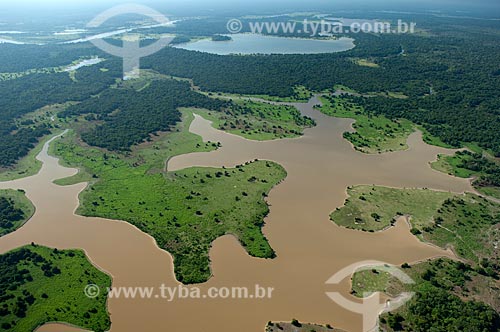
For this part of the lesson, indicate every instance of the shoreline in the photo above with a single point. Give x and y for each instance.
(268, 229)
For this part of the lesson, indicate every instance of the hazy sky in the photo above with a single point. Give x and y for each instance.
(183, 7)
(246, 3)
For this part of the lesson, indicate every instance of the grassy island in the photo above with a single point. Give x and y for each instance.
(185, 211)
(221, 38)
(467, 223)
(374, 133)
(483, 169)
(39, 285)
(15, 210)
(450, 295)
(260, 121)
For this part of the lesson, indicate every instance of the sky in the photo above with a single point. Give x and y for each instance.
(253, 3)
(200, 7)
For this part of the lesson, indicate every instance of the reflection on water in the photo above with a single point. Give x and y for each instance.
(309, 247)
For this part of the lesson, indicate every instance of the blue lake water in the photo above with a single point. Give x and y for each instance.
(260, 44)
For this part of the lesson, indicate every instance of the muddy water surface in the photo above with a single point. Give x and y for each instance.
(309, 247)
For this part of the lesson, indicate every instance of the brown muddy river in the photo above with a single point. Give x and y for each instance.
(309, 247)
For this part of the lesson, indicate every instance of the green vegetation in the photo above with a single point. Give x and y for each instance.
(46, 115)
(260, 121)
(42, 56)
(442, 83)
(296, 326)
(177, 142)
(485, 171)
(366, 282)
(49, 70)
(12, 76)
(490, 191)
(156, 152)
(366, 63)
(467, 223)
(367, 207)
(300, 95)
(129, 116)
(455, 165)
(450, 85)
(470, 225)
(27, 166)
(445, 81)
(344, 89)
(15, 210)
(387, 94)
(40, 285)
(185, 211)
(432, 140)
(221, 38)
(32, 92)
(374, 134)
(180, 40)
(449, 296)
(115, 118)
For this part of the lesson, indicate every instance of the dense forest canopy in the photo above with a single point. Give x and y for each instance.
(451, 79)
(449, 72)
(130, 116)
(445, 78)
(37, 283)
(28, 93)
(437, 305)
(9, 213)
(18, 58)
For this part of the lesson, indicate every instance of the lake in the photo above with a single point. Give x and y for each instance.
(260, 44)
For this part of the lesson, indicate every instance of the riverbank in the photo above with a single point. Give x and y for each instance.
(309, 247)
